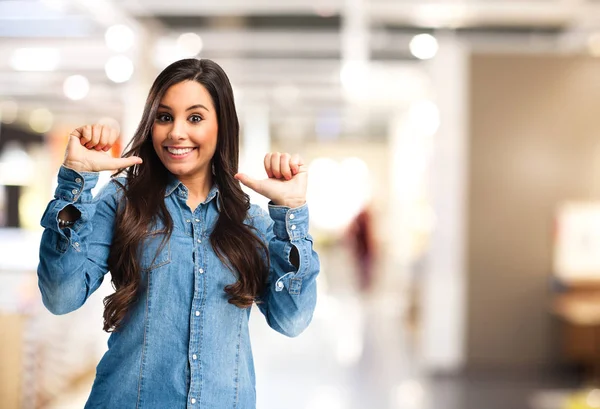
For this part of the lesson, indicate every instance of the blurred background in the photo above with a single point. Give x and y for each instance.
(454, 153)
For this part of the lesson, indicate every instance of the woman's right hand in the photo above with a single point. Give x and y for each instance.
(88, 150)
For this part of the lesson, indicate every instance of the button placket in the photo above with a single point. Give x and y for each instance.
(196, 328)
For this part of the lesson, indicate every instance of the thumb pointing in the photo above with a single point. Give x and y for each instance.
(122, 163)
(247, 181)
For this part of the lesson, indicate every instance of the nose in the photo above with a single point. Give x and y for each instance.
(177, 130)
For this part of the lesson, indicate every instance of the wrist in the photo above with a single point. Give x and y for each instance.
(291, 203)
(76, 166)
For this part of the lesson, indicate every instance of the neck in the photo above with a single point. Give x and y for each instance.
(198, 187)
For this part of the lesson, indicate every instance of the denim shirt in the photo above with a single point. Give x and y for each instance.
(183, 345)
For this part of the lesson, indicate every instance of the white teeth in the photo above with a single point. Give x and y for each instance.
(176, 151)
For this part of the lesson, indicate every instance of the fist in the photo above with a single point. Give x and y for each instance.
(286, 182)
(88, 150)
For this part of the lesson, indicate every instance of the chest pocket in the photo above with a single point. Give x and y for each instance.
(155, 253)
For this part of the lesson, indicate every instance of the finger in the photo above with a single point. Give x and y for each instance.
(113, 136)
(77, 133)
(284, 166)
(275, 165)
(104, 139)
(268, 165)
(248, 181)
(295, 163)
(122, 163)
(96, 133)
(85, 134)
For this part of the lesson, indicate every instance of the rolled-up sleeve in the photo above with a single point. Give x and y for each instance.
(291, 295)
(73, 261)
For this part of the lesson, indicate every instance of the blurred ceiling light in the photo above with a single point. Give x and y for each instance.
(8, 111)
(13, 158)
(593, 44)
(119, 68)
(424, 46)
(76, 87)
(189, 44)
(424, 117)
(35, 59)
(119, 38)
(41, 120)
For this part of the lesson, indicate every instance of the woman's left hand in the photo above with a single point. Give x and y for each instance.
(286, 182)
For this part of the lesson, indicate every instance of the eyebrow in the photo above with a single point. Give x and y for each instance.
(188, 109)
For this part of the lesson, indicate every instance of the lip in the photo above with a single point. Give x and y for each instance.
(178, 157)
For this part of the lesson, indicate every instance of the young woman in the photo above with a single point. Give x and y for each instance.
(187, 252)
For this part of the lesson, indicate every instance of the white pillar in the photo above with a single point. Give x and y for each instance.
(444, 295)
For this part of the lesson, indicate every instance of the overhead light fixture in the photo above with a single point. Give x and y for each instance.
(41, 120)
(424, 46)
(35, 59)
(76, 87)
(119, 38)
(13, 157)
(189, 44)
(119, 68)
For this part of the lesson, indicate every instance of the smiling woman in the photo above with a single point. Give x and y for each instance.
(188, 253)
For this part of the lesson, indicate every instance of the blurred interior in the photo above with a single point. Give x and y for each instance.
(454, 153)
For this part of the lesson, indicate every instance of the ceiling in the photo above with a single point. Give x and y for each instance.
(282, 55)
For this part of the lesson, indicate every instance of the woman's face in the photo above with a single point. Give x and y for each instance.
(184, 134)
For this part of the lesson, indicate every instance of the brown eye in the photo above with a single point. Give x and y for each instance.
(163, 118)
(195, 118)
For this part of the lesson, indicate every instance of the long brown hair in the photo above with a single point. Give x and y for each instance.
(234, 242)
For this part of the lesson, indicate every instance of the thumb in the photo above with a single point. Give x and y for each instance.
(122, 163)
(248, 181)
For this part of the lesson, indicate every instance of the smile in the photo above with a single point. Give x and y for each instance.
(179, 151)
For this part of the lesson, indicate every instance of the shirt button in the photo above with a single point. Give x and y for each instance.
(193, 401)
(294, 227)
(76, 244)
(197, 313)
(201, 271)
(187, 220)
(197, 220)
(78, 180)
(199, 241)
(194, 357)
(292, 216)
(74, 191)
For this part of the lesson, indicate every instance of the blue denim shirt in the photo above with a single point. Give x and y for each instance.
(184, 345)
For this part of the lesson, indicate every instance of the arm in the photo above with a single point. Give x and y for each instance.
(291, 295)
(73, 260)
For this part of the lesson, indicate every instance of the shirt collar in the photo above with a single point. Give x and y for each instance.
(174, 185)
